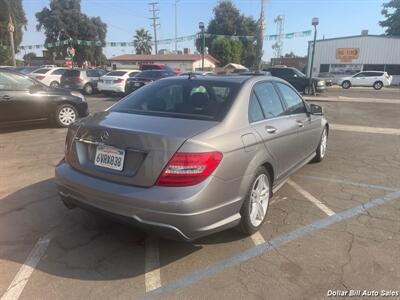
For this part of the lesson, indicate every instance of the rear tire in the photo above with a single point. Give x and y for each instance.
(65, 115)
(346, 84)
(378, 85)
(88, 89)
(322, 146)
(255, 206)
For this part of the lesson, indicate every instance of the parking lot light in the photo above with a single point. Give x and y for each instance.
(314, 22)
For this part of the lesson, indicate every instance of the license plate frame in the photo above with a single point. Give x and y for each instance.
(109, 157)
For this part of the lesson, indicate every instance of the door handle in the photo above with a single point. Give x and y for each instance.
(270, 129)
(300, 123)
(6, 98)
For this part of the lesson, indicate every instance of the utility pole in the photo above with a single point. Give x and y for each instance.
(176, 25)
(260, 37)
(11, 29)
(155, 24)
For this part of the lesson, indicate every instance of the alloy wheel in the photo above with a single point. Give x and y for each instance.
(259, 200)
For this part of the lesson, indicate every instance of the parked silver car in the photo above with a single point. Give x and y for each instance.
(190, 156)
(81, 80)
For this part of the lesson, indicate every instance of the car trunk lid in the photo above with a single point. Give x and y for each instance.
(148, 143)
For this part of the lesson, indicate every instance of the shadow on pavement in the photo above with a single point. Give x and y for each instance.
(84, 246)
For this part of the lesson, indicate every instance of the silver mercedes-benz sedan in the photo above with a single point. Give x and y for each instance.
(192, 155)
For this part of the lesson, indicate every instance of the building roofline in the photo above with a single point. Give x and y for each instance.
(358, 36)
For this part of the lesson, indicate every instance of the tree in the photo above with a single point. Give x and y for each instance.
(226, 50)
(391, 11)
(28, 57)
(290, 55)
(227, 20)
(15, 9)
(142, 42)
(63, 20)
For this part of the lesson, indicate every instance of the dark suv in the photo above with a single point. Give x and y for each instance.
(82, 80)
(297, 79)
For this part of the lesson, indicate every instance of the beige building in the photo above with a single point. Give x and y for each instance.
(180, 62)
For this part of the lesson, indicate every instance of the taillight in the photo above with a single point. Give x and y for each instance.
(119, 80)
(77, 79)
(40, 77)
(185, 169)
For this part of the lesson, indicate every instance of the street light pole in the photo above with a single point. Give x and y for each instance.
(314, 22)
(11, 31)
(203, 44)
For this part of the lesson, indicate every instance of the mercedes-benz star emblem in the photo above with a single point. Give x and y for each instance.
(104, 136)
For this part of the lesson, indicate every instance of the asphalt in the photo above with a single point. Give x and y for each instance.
(302, 253)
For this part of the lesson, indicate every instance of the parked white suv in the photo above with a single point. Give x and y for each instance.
(48, 76)
(376, 79)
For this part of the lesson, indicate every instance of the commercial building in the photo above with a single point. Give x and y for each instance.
(345, 56)
(181, 62)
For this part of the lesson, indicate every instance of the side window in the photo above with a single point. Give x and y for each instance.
(91, 73)
(269, 99)
(294, 102)
(10, 81)
(255, 112)
(360, 75)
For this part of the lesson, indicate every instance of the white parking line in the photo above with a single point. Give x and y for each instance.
(152, 264)
(21, 279)
(257, 238)
(311, 198)
(365, 129)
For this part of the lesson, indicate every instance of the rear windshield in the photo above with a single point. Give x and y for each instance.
(150, 74)
(116, 73)
(41, 71)
(72, 73)
(188, 99)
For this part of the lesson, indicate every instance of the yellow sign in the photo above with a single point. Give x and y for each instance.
(347, 53)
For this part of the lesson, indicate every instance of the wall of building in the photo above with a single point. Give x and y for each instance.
(183, 66)
(375, 53)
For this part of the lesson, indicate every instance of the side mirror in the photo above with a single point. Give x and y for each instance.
(316, 109)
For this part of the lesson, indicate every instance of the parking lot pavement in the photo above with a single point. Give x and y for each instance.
(334, 226)
(391, 93)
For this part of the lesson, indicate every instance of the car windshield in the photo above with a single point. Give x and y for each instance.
(116, 73)
(299, 73)
(189, 99)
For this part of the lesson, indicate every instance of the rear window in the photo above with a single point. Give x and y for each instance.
(116, 73)
(41, 71)
(188, 99)
(72, 73)
(149, 74)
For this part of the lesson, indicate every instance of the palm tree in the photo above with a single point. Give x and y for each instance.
(142, 41)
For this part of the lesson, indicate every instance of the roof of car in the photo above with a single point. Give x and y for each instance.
(237, 78)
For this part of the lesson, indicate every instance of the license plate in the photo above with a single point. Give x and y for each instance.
(66, 86)
(109, 157)
(136, 84)
(108, 81)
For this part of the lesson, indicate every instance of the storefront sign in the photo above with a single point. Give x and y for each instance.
(347, 54)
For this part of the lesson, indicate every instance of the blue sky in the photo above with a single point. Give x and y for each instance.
(337, 18)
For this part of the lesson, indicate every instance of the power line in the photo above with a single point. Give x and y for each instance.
(154, 10)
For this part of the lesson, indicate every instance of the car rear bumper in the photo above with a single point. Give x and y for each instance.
(117, 88)
(72, 86)
(186, 213)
